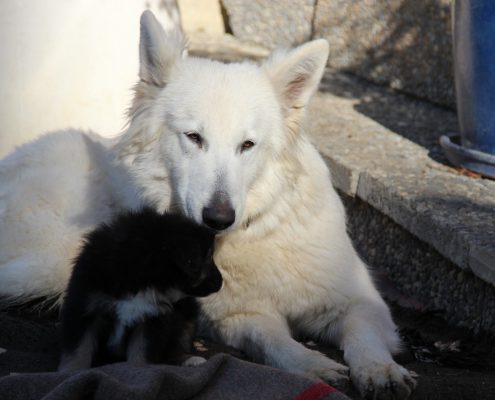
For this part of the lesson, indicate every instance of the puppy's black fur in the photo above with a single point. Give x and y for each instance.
(131, 293)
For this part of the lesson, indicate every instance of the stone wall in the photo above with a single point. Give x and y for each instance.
(418, 271)
(271, 23)
(405, 44)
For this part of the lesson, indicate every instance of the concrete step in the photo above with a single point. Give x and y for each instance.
(434, 226)
(383, 147)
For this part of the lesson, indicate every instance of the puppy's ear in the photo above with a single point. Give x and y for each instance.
(159, 51)
(295, 75)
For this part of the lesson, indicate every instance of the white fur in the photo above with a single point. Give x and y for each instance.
(193, 361)
(143, 304)
(288, 264)
(136, 308)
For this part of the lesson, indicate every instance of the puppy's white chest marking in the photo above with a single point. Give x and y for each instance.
(136, 308)
(142, 305)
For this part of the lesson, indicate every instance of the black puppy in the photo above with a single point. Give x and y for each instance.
(131, 293)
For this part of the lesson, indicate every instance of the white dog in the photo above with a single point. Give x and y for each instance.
(222, 143)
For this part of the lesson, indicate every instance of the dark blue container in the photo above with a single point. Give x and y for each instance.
(474, 66)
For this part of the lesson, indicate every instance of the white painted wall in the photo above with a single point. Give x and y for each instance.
(67, 63)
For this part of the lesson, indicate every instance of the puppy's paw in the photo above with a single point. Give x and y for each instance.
(329, 371)
(193, 361)
(384, 381)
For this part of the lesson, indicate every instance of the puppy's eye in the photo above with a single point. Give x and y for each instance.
(246, 145)
(195, 137)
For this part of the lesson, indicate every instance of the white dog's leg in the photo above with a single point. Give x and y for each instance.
(368, 340)
(267, 339)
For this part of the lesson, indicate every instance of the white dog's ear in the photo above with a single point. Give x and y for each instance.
(159, 51)
(296, 74)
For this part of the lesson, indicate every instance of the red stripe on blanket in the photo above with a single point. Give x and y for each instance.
(316, 392)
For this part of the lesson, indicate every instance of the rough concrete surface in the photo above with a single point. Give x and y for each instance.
(226, 48)
(417, 271)
(271, 23)
(383, 147)
(406, 44)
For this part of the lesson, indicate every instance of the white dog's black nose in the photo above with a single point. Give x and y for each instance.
(219, 214)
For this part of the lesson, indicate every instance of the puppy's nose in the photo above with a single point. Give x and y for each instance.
(219, 214)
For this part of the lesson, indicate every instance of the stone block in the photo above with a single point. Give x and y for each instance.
(418, 271)
(405, 44)
(388, 144)
(271, 23)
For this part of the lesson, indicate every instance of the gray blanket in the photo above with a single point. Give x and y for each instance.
(29, 347)
(222, 377)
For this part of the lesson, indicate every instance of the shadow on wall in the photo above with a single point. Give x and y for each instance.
(405, 44)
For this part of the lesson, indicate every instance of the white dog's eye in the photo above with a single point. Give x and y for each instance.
(195, 137)
(246, 145)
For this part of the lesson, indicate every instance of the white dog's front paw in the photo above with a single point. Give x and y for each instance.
(193, 361)
(327, 370)
(384, 381)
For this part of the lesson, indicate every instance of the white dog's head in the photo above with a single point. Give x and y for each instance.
(214, 126)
